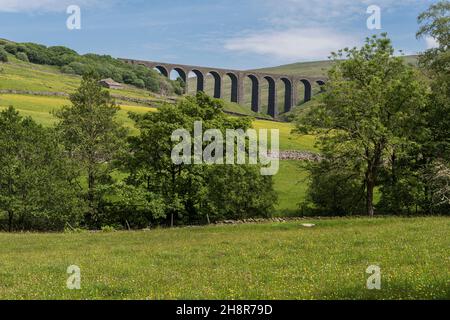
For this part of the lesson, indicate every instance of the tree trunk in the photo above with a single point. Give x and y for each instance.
(371, 175)
(91, 185)
(10, 220)
(370, 188)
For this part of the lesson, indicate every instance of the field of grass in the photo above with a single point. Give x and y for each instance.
(267, 261)
(291, 184)
(40, 108)
(19, 75)
(288, 140)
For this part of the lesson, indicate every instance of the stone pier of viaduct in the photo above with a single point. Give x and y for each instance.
(291, 83)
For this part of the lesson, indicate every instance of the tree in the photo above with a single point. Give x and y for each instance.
(435, 23)
(334, 189)
(91, 134)
(130, 206)
(22, 56)
(38, 188)
(367, 111)
(194, 193)
(3, 55)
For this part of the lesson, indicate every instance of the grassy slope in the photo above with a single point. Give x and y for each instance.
(291, 184)
(269, 261)
(40, 108)
(19, 75)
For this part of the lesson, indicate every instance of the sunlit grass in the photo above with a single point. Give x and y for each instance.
(288, 139)
(270, 261)
(40, 108)
(291, 184)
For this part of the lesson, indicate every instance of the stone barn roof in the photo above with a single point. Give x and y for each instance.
(110, 83)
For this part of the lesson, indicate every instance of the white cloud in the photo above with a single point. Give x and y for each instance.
(310, 29)
(431, 42)
(292, 44)
(44, 5)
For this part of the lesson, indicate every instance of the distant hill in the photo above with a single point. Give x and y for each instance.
(316, 68)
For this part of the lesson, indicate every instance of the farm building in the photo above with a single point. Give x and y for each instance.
(110, 83)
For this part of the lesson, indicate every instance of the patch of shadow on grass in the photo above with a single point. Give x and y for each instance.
(111, 292)
(391, 291)
(6, 280)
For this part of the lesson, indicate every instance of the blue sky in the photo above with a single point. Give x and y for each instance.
(240, 34)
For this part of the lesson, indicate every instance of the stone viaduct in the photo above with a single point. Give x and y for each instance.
(291, 83)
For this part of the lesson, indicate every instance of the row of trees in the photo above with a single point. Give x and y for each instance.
(105, 66)
(87, 171)
(384, 128)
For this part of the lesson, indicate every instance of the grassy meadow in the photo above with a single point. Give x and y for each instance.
(265, 261)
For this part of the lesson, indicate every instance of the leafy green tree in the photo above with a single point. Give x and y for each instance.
(368, 110)
(194, 193)
(91, 134)
(435, 23)
(335, 188)
(11, 48)
(22, 56)
(3, 55)
(237, 192)
(130, 206)
(38, 189)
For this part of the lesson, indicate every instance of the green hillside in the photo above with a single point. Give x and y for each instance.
(25, 76)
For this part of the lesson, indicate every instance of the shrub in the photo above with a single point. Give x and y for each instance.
(105, 66)
(138, 83)
(333, 191)
(22, 56)
(11, 48)
(68, 70)
(108, 229)
(3, 55)
(37, 53)
(78, 68)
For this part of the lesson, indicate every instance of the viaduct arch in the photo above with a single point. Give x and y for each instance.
(291, 84)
